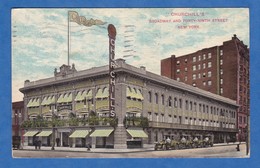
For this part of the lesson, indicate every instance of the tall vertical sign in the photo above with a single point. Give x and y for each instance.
(112, 65)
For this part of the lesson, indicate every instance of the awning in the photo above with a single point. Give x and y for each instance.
(30, 133)
(82, 95)
(137, 133)
(61, 98)
(68, 98)
(102, 133)
(32, 103)
(134, 93)
(79, 134)
(102, 93)
(44, 101)
(44, 133)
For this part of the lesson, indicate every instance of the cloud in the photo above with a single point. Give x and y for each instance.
(40, 38)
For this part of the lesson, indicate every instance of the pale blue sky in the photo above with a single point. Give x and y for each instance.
(40, 38)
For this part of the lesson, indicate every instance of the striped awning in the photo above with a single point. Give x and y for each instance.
(102, 132)
(45, 133)
(79, 134)
(82, 95)
(33, 103)
(137, 133)
(30, 133)
(102, 93)
(134, 93)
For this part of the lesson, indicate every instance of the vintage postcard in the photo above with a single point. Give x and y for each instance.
(130, 82)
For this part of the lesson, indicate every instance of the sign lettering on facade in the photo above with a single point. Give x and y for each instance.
(112, 65)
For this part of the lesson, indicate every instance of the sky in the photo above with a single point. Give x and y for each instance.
(144, 37)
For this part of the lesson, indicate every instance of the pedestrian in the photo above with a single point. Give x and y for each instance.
(35, 144)
(39, 144)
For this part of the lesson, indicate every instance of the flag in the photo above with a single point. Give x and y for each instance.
(81, 20)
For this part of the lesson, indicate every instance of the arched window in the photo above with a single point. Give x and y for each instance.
(150, 97)
(175, 102)
(170, 101)
(162, 99)
(156, 98)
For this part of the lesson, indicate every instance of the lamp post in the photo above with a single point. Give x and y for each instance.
(53, 126)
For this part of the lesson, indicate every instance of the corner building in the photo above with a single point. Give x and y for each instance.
(222, 70)
(71, 109)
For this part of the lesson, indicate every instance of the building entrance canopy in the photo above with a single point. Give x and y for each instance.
(30, 133)
(136, 133)
(102, 132)
(79, 134)
(45, 133)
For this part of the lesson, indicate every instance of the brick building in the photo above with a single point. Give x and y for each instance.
(223, 70)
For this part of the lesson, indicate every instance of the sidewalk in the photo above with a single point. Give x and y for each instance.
(106, 150)
(92, 150)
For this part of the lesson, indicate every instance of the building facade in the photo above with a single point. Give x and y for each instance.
(72, 109)
(17, 120)
(222, 70)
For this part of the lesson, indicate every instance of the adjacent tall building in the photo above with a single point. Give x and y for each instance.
(223, 70)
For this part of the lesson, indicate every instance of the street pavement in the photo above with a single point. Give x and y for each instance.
(217, 151)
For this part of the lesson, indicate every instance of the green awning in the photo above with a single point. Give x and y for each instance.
(30, 133)
(102, 93)
(61, 98)
(44, 101)
(79, 134)
(133, 93)
(68, 98)
(102, 133)
(45, 133)
(137, 133)
(30, 103)
(80, 96)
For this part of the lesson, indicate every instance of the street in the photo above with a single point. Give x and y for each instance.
(225, 151)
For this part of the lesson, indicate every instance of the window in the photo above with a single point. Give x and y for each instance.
(178, 79)
(185, 78)
(156, 98)
(195, 106)
(150, 118)
(186, 105)
(194, 76)
(186, 60)
(162, 116)
(199, 76)
(162, 99)
(194, 59)
(199, 107)
(209, 55)
(170, 101)
(185, 69)
(209, 74)
(221, 81)
(199, 67)
(221, 71)
(221, 52)
(240, 119)
(178, 70)
(150, 97)
(194, 67)
(178, 62)
(209, 82)
(157, 117)
(180, 103)
(170, 119)
(209, 64)
(204, 65)
(191, 106)
(221, 90)
(204, 74)
(199, 58)
(175, 102)
(221, 62)
(204, 56)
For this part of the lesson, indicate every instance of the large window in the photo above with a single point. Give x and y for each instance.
(209, 64)
(194, 67)
(156, 98)
(150, 97)
(162, 99)
(194, 76)
(170, 101)
(209, 74)
(194, 59)
(209, 55)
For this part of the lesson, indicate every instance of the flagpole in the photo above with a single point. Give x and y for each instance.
(68, 38)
